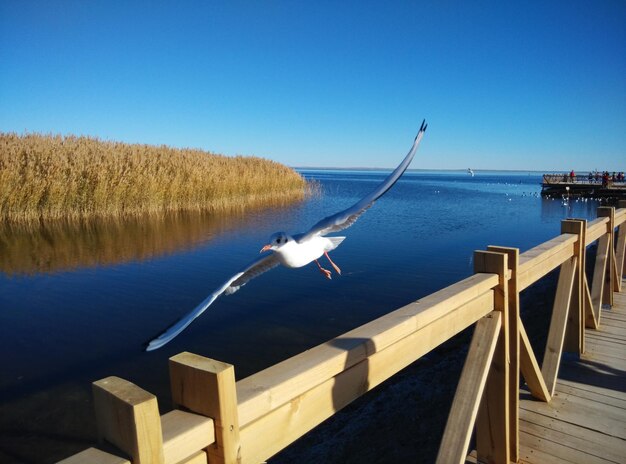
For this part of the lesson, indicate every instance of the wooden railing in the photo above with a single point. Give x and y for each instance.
(581, 179)
(219, 420)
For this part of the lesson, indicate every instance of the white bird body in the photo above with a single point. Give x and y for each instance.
(295, 251)
(293, 254)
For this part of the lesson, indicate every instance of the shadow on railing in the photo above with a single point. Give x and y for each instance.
(222, 421)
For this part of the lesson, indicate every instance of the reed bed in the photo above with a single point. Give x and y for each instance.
(53, 176)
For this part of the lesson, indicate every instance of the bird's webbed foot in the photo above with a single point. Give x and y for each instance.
(325, 272)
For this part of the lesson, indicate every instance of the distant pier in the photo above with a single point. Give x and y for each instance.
(583, 186)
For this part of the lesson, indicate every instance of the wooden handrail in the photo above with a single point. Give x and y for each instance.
(252, 419)
(540, 260)
(281, 383)
(596, 229)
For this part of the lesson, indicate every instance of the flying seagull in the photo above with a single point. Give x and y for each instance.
(295, 250)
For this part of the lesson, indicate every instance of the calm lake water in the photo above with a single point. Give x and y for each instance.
(78, 303)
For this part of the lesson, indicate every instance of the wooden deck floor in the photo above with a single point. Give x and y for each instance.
(586, 420)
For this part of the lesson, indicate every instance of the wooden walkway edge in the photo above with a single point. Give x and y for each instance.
(586, 420)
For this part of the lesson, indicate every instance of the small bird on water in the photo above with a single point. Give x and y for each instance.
(295, 250)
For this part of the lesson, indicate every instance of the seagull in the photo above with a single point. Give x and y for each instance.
(296, 250)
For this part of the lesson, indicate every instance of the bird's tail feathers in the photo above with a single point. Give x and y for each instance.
(336, 241)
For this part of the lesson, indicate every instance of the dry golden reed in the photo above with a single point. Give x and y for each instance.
(52, 176)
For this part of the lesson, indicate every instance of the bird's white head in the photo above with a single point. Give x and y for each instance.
(277, 240)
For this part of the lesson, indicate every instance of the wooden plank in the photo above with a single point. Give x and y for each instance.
(207, 386)
(128, 417)
(184, 434)
(281, 383)
(599, 270)
(580, 433)
(622, 205)
(610, 321)
(610, 317)
(574, 430)
(94, 456)
(583, 415)
(616, 282)
(590, 393)
(558, 324)
(609, 392)
(620, 216)
(606, 349)
(611, 328)
(590, 316)
(531, 456)
(599, 343)
(533, 438)
(514, 346)
(538, 261)
(290, 421)
(607, 294)
(606, 411)
(471, 458)
(620, 253)
(596, 229)
(493, 433)
(613, 323)
(605, 336)
(609, 362)
(460, 425)
(530, 368)
(198, 458)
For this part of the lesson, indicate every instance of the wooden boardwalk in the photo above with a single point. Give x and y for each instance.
(586, 420)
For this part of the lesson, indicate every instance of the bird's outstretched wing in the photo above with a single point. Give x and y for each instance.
(347, 217)
(255, 268)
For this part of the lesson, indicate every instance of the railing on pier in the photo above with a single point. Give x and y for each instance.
(589, 179)
(222, 421)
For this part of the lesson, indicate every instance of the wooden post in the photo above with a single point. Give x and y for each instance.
(456, 437)
(206, 386)
(607, 294)
(514, 347)
(575, 329)
(128, 417)
(493, 422)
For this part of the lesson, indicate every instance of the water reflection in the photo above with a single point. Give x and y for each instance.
(49, 247)
(555, 207)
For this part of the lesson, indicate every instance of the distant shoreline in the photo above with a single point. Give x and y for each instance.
(520, 171)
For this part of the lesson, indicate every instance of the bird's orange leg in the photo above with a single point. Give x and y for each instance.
(325, 272)
(331, 262)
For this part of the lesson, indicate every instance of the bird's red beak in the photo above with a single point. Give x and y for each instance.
(265, 248)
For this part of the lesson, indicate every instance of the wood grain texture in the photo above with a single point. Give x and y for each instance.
(460, 425)
(128, 417)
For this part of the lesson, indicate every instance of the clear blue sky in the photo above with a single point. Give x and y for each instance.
(503, 85)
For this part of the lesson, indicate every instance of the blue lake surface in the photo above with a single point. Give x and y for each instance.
(78, 304)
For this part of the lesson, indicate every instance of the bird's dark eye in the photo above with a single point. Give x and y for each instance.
(277, 240)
